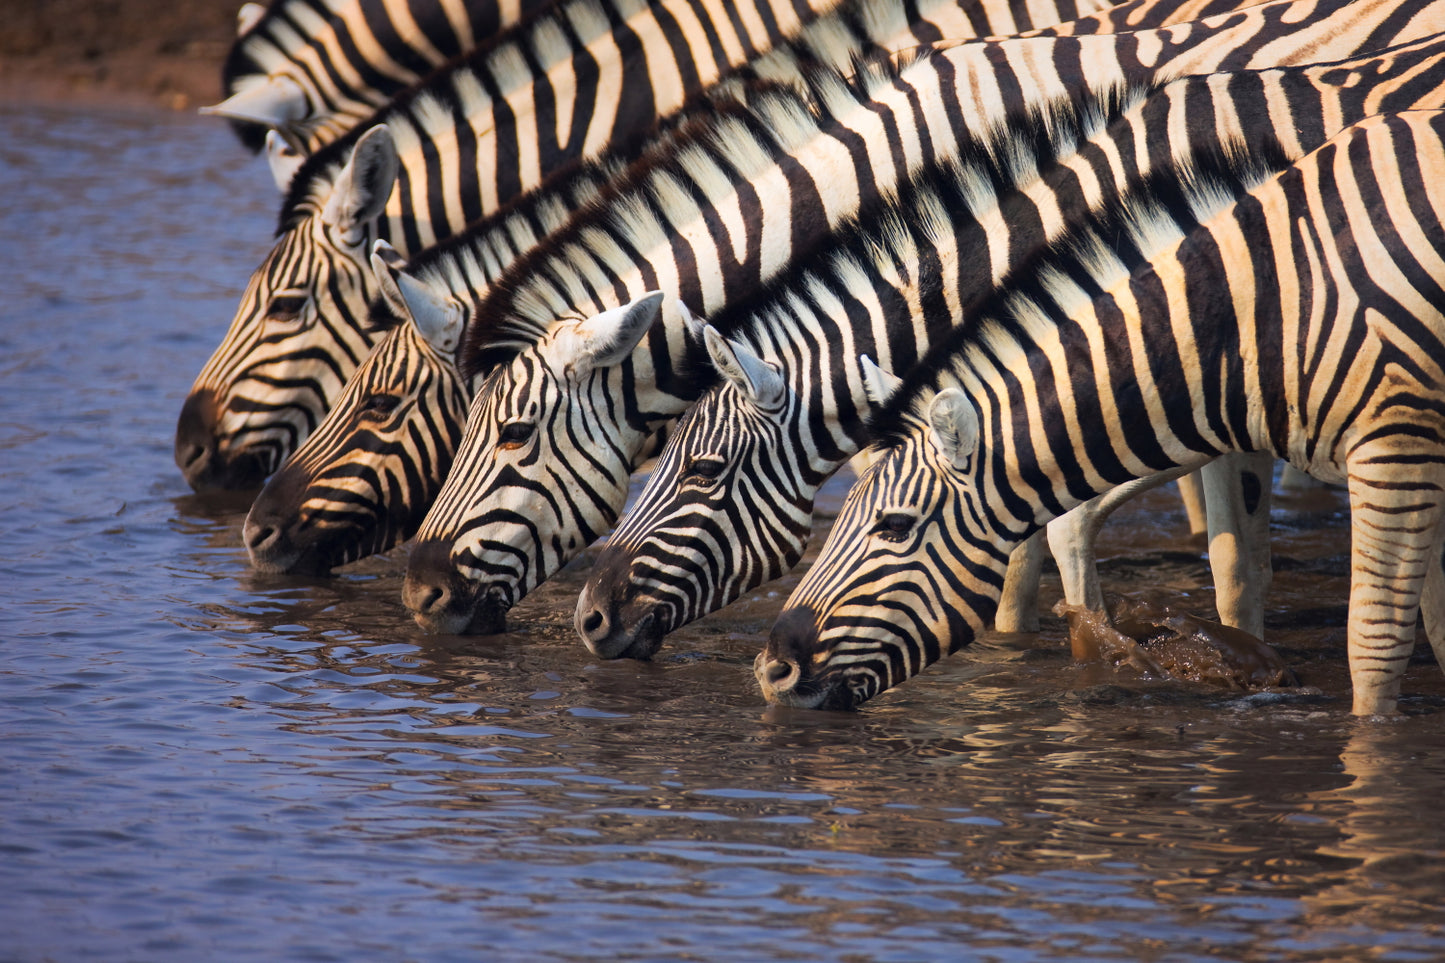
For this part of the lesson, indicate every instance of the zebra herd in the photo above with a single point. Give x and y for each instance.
(1019, 258)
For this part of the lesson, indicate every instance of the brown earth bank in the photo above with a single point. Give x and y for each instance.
(166, 53)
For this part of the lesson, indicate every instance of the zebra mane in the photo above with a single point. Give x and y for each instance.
(459, 88)
(533, 292)
(1092, 257)
(569, 268)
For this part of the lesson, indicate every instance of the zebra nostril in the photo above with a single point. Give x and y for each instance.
(258, 537)
(187, 456)
(432, 600)
(592, 622)
(779, 671)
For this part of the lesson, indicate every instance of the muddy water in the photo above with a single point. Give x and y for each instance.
(197, 762)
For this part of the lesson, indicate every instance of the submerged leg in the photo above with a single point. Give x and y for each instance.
(1191, 490)
(1018, 608)
(1394, 555)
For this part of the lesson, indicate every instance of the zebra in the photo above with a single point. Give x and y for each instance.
(559, 87)
(354, 487)
(310, 69)
(362, 481)
(476, 554)
(729, 503)
(1305, 320)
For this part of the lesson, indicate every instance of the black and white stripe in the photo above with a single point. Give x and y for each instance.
(590, 74)
(311, 69)
(1305, 320)
(474, 552)
(691, 544)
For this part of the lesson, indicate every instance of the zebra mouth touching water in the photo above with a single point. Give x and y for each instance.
(611, 631)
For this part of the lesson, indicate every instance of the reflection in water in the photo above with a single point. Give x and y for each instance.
(195, 756)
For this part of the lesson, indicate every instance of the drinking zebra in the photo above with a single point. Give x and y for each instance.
(496, 532)
(729, 503)
(1304, 320)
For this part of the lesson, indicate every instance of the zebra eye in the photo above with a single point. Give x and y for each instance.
(380, 404)
(286, 308)
(517, 433)
(704, 469)
(894, 526)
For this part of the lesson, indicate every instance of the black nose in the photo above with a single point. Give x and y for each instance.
(785, 664)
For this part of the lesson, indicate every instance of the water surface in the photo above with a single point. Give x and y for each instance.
(198, 762)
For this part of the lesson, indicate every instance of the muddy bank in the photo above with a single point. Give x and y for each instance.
(164, 53)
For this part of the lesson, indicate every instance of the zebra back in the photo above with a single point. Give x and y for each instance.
(1305, 319)
(310, 69)
(597, 424)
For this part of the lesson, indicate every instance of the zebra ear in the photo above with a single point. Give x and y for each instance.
(608, 338)
(877, 383)
(283, 158)
(954, 427)
(436, 315)
(752, 375)
(364, 184)
(385, 263)
(274, 102)
(248, 16)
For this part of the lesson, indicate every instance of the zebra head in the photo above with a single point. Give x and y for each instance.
(911, 571)
(543, 469)
(299, 333)
(728, 507)
(362, 482)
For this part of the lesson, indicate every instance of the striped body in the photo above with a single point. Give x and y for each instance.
(1304, 320)
(324, 65)
(690, 545)
(499, 527)
(565, 86)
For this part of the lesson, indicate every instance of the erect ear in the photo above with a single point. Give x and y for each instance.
(432, 309)
(953, 427)
(361, 189)
(878, 384)
(608, 338)
(247, 17)
(752, 375)
(385, 264)
(283, 158)
(274, 102)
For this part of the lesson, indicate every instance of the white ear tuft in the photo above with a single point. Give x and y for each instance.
(878, 384)
(953, 425)
(248, 16)
(283, 158)
(608, 338)
(274, 102)
(385, 263)
(751, 375)
(675, 313)
(361, 189)
(434, 311)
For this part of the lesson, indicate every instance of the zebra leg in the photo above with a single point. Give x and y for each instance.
(1432, 601)
(1018, 607)
(1191, 490)
(1073, 534)
(1392, 550)
(1237, 494)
